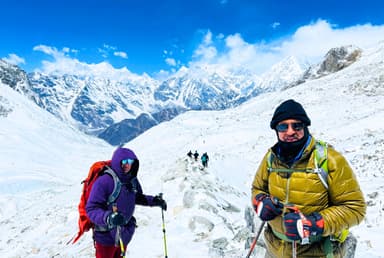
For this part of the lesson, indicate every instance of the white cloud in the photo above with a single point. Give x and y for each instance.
(206, 51)
(52, 51)
(314, 40)
(239, 51)
(14, 59)
(63, 64)
(275, 25)
(308, 43)
(109, 47)
(106, 50)
(171, 61)
(69, 50)
(103, 52)
(121, 54)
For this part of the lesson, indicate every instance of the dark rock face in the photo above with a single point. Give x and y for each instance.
(339, 58)
(335, 60)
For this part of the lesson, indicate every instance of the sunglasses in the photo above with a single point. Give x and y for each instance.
(127, 161)
(283, 127)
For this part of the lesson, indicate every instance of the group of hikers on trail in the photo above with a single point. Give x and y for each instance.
(304, 192)
(204, 158)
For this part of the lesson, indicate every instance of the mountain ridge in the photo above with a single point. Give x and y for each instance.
(97, 106)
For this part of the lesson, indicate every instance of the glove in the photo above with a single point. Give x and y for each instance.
(301, 227)
(158, 201)
(267, 207)
(115, 219)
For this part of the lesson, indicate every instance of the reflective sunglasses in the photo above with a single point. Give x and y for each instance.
(127, 161)
(283, 127)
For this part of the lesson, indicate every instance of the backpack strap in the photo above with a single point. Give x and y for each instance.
(270, 158)
(116, 188)
(112, 198)
(321, 163)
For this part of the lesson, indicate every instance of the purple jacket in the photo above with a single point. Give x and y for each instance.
(131, 194)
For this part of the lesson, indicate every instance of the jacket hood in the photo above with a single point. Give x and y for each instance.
(118, 156)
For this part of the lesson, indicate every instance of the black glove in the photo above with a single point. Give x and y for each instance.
(158, 201)
(115, 219)
(267, 207)
(301, 227)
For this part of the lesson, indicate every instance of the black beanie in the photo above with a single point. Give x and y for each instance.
(289, 109)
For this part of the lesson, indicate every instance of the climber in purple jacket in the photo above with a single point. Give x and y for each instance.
(115, 220)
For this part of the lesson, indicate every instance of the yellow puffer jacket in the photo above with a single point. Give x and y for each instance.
(342, 205)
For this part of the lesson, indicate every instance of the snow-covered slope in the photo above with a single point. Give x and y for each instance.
(42, 163)
(206, 208)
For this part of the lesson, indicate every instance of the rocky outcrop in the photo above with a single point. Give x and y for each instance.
(339, 58)
(335, 60)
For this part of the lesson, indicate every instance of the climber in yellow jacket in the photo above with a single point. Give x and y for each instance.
(308, 203)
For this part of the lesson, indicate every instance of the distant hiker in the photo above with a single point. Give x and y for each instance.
(305, 190)
(196, 155)
(204, 159)
(114, 222)
(189, 154)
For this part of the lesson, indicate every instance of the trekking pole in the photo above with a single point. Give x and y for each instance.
(255, 240)
(118, 233)
(306, 233)
(118, 240)
(294, 249)
(164, 236)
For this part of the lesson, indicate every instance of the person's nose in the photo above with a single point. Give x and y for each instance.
(290, 130)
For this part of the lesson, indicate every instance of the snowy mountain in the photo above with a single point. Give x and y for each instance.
(93, 104)
(17, 79)
(127, 129)
(288, 70)
(44, 160)
(200, 88)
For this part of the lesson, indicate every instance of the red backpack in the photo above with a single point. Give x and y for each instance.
(97, 169)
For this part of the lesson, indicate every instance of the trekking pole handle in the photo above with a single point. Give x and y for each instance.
(275, 200)
(303, 221)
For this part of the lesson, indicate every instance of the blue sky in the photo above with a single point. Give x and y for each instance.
(159, 37)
